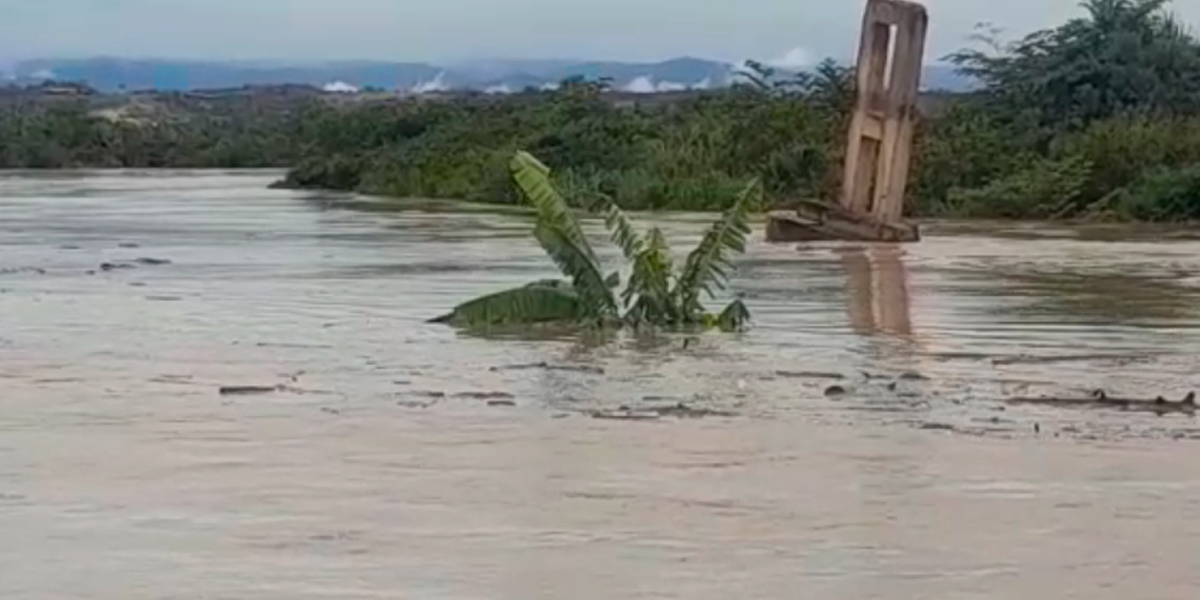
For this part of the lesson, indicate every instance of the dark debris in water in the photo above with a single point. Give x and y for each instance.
(248, 390)
(484, 395)
(21, 270)
(809, 375)
(937, 427)
(1100, 400)
(683, 411)
(835, 391)
(426, 394)
(1046, 360)
(625, 414)
(549, 367)
(133, 264)
(677, 411)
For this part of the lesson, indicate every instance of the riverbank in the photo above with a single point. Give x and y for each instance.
(1097, 119)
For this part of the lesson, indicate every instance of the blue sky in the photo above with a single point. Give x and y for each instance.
(446, 30)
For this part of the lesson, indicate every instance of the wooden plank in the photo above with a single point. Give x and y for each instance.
(801, 226)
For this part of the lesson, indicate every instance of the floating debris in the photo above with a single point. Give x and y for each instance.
(809, 375)
(413, 404)
(625, 414)
(1100, 399)
(485, 395)
(152, 261)
(247, 390)
(506, 403)
(128, 245)
(683, 411)
(549, 367)
(835, 391)
(19, 270)
(1046, 360)
(913, 376)
(434, 395)
(937, 427)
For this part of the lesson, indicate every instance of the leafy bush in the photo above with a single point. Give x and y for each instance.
(1161, 195)
(1044, 190)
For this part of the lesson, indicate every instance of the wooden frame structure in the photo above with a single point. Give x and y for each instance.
(879, 146)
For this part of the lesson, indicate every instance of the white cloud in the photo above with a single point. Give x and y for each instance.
(501, 89)
(44, 74)
(646, 85)
(670, 86)
(340, 87)
(437, 84)
(794, 59)
(641, 85)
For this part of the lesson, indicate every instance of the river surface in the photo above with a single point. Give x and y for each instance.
(400, 459)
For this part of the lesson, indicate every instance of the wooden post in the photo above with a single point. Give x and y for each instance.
(879, 148)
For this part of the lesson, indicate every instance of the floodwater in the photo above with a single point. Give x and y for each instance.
(401, 459)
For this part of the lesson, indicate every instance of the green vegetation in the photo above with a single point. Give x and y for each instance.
(654, 296)
(694, 152)
(1098, 118)
(74, 133)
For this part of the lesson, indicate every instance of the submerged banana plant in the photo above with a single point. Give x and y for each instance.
(655, 296)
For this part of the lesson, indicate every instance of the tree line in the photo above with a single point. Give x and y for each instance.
(1097, 118)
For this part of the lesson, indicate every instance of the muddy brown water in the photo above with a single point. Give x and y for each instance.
(398, 459)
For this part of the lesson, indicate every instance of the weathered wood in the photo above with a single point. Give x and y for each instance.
(813, 221)
(879, 146)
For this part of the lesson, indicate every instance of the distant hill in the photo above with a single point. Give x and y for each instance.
(113, 74)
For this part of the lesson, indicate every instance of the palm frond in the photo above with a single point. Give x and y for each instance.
(734, 317)
(587, 280)
(533, 179)
(538, 302)
(648, 298)
(620, 228)
(560, 235)
(706, 269)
